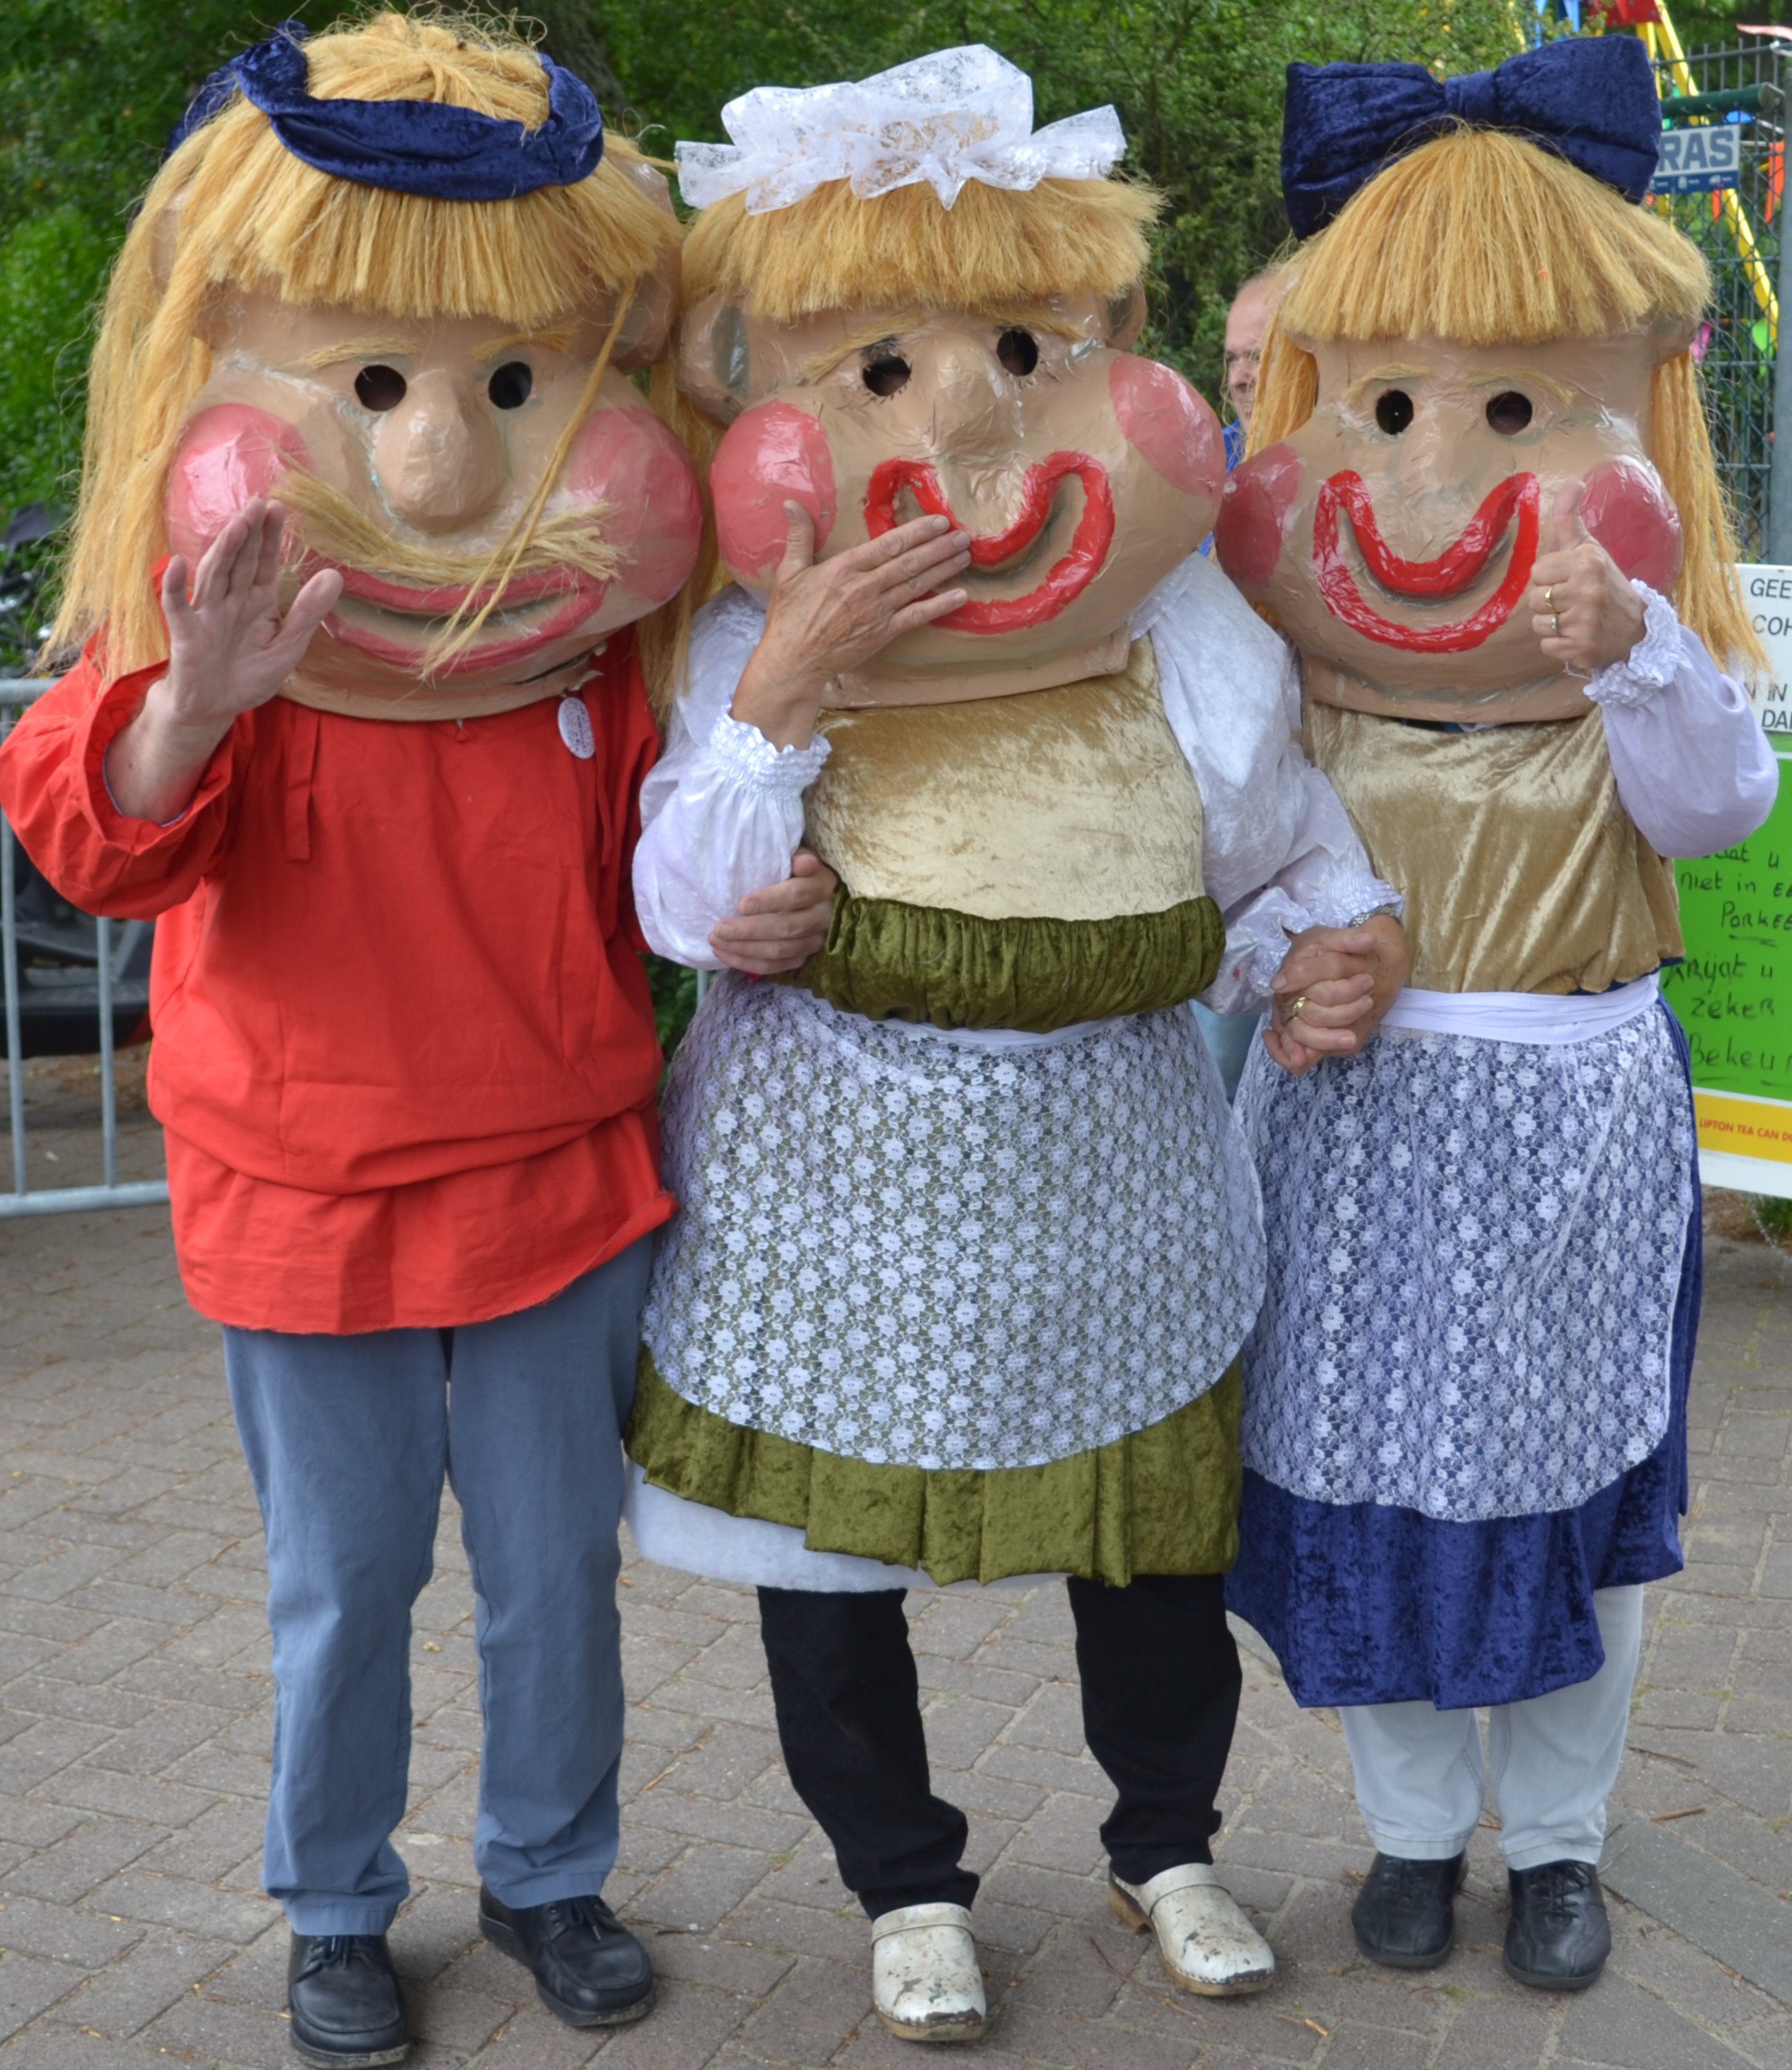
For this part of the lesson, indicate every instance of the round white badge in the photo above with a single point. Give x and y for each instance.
(575, 728)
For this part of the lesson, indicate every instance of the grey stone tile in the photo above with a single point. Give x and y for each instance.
(47, 2046)
(812, 2014)
(174, 1901)
(703, 1887)
(1622, 2024)
(69, 1870)
(62, 1934)
(27, 1987)
(141, 1984)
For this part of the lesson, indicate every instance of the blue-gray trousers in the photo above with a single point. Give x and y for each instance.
(348, 1440)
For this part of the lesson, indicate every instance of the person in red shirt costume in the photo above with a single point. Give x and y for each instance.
(373, 760)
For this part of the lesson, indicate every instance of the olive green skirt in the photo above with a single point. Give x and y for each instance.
(1164, 1500)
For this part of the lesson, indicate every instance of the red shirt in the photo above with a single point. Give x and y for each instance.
(404, 1043)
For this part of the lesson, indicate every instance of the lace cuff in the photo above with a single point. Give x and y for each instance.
(1650, 665)
(1252, 960)
(1259, 934)
(745, 756)
(1352, 900)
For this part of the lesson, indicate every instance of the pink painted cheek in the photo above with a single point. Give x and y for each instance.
(773, 455)
(1168, 423)
(227, 455)
(630, 460)
(1256, 516)
(1630, 514)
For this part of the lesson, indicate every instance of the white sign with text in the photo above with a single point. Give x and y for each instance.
(1767, 592)
(1695, 161)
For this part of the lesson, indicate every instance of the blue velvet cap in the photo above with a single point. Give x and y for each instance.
(419, 147)
(1593, 101)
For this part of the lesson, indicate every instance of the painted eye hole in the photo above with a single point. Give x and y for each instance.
(1394, 411)
(380, 387)
(886, 375)
(1509, 414)
(509, 387)
(1018, 350)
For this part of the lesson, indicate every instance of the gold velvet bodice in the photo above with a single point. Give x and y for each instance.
(1522, 871)
(1074, 803)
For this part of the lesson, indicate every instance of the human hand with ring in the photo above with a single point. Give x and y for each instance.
(1332, 989)
(1584, 612)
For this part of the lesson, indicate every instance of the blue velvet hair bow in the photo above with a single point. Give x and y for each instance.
(419, 147)
(1593, 101)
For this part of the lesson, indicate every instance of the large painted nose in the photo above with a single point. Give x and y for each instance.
(976, 412)
(437, 454)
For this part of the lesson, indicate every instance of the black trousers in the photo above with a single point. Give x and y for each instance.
(1160, 1682)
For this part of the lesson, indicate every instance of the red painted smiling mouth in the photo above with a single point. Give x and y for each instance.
(1455, 570)
(1068, 577)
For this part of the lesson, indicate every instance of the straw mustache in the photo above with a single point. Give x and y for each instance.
(571, 543)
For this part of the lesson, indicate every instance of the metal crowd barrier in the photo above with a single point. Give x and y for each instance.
(15, 693)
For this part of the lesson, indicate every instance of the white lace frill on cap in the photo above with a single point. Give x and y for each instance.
(949, 118)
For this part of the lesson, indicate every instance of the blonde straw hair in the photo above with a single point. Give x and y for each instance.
(994, 251)
(1483, 239)
(247, 214)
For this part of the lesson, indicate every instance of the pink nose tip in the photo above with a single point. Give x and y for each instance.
(1253, 519)
(438, 456)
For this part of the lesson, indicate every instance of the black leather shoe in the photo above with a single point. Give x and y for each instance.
(589, 1971)
(1558, 1936)
(343, 1999)
(1404, 1915)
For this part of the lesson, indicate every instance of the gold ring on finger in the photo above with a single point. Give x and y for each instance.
(1298, 1007)
(1550, 596)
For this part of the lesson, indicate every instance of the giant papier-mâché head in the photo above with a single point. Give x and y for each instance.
(397, 276)
(902, 298)
(1493, 316)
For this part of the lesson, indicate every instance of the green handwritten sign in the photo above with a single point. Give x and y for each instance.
(1734, 993)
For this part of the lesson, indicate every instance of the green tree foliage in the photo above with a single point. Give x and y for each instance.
(89, 90)
(1198, 84)
(1715, 22)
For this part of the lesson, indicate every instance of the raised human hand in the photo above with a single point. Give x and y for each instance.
(781, 927)
(1584, 612)
(230, 648)
(229, 645)
(1334, 986)
(825, 617)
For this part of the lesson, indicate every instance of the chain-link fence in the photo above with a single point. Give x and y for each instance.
(1739, 233)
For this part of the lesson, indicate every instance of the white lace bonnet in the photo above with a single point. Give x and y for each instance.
(949, 118)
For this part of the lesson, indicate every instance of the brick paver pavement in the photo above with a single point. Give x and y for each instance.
(134, 1681)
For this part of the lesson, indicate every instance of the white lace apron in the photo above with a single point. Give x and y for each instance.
(943, 1251)
(1475, 1246)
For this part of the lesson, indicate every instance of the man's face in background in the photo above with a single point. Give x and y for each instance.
(1246, 322)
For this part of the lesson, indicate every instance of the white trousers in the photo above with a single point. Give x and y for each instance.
(1421, 1780)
